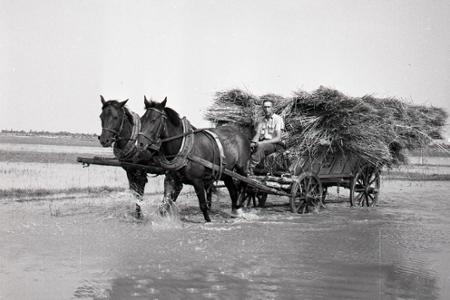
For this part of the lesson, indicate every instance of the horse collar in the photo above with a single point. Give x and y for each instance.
(187, 143)
(130, 148)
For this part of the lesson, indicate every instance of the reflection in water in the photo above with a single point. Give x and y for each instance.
(326, 281)
(407, 283)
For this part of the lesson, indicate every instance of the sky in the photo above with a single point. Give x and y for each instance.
(57, 57)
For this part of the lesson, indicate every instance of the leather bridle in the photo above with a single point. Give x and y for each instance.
(155, 142)
(116, 133)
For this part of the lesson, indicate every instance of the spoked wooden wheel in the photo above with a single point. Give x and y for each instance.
(306, 193)
(365, 187)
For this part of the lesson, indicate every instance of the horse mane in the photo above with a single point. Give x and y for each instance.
(116, 104)
(173, 116)
(128, 114)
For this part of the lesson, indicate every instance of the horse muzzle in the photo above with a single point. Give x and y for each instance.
(106, 141)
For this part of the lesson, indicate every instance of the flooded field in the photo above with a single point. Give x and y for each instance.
(89, 246)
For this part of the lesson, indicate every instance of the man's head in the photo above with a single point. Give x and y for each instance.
(268, 108)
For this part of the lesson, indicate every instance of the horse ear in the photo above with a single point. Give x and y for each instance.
(102, 99)
(122, 104)
(163, 104)
(147, 104)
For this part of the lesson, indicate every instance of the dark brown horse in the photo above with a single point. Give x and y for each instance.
(121, 127)
(163, 132)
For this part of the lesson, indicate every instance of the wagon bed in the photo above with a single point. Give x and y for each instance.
(308, 179)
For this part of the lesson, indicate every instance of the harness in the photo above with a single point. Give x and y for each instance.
(130, 148)
(117, 132)
(155, 144)
(184, 155)
(221, 154)
(180, 160)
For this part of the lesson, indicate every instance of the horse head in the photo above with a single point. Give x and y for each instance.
(112, 117)
(153, 124)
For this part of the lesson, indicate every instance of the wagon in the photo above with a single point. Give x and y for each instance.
(304, 181)
(307, 180)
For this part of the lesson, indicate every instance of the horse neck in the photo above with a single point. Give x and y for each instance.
(125, 133)
(172, 147)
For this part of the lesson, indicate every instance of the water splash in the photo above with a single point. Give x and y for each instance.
(166, 216)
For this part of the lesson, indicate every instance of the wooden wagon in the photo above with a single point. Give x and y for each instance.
(305, 181)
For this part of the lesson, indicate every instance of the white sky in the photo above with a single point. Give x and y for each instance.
(57, 57)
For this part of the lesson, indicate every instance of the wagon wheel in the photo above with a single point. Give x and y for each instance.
(306, 193)
(365, 187)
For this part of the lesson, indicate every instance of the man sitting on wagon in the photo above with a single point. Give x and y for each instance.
(268, 137)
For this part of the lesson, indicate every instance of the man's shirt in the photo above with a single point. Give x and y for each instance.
(270, 126)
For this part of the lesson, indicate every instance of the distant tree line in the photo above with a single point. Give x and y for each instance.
(47, 133)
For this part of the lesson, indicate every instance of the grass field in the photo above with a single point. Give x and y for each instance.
(39, 167)
(49, 140)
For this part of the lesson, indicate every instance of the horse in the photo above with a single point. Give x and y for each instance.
(167, 135)
(121, 127)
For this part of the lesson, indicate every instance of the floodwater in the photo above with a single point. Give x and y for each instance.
(92, 248)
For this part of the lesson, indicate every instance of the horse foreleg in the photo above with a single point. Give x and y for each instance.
(200, 191)
(136, 181)
(172, 188)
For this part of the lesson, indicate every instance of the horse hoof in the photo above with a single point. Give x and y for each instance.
(162, 212)
(138, 212)
(236, 213)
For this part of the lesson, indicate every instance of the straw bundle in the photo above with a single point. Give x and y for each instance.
(234, 107)
(375, 130)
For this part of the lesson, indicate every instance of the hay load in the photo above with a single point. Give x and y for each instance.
(233, 107)
(375, 130)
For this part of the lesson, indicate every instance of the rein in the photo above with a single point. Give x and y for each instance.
(129, 149)
(155, 143)
(181, 135)
(117, 132)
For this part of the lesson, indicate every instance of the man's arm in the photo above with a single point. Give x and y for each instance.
(275, 139)
(258, 131)
(278, 132)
